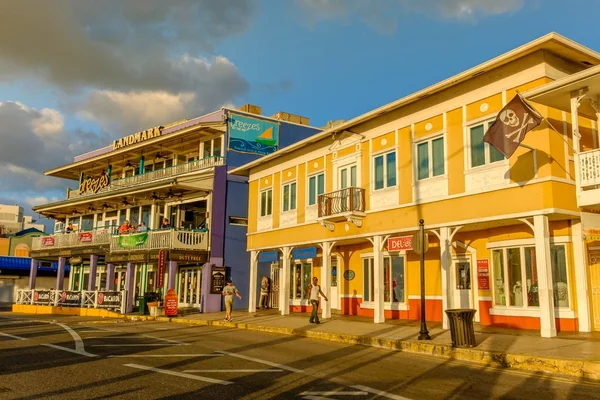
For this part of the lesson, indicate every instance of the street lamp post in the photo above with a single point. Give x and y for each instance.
(424, 333)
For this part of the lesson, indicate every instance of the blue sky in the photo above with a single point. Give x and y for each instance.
(99, 73)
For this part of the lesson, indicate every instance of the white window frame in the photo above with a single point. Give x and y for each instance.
(505, 283)
(389, 304)
(383, 154)
(260, 210)
(289, 185)
(317, 194)
(303, 299)
(429, 140)
(486, 150)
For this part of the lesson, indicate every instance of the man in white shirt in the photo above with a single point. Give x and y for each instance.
(313, 291)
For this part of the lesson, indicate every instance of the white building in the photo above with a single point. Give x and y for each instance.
(12, 220)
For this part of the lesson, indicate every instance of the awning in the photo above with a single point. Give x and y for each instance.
(24, 264)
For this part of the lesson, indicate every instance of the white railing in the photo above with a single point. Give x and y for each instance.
(160, 239)
(164, 173)
(74, 239)
(110, 300)
(589, 169)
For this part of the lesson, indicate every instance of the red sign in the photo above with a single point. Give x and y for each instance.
(171, 302)
(85, 237)
(400, 243)
(160, 280)
(483, 274)
(48, 241)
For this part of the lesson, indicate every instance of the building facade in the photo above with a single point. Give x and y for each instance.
(505, 235)
(12, 220)
(157, 210)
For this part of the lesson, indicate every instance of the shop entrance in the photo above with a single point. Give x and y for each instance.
(190, 279)
(275, 284)
(594, 272)
(335, 294)
(463, 296)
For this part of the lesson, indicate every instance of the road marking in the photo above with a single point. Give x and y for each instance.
(84, 353)
(166, 340)
(168, 355)
(258, 360)
(179, 374)
(90, 332)
(135, 345)
(331, 393)
(380, 392)
(233, 370)
(316, 398)
(79, 347)
(12, 336)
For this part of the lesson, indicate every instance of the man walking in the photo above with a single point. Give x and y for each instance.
(228, 291)
(314, 290)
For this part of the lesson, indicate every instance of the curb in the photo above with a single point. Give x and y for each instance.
(572, 368)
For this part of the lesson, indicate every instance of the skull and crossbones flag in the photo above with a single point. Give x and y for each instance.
(512, 124)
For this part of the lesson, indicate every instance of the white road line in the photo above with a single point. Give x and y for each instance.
(165, 340)
(179, 374)
(90, 332)
(167, 355)
(84, 353)
(135, 345)
(316, 398)
(258, 360)
(233, 370)
(79, 347)
(12, 336)
(380, 392)
(104, 329)
(332, 393)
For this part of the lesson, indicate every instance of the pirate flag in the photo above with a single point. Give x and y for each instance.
(512, 124)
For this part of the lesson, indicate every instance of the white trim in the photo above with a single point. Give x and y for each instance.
(418, 297)
(370, 305)
(281, 205)
(485, 298)
(531, 312)
(526, 242)
(382, 154)
(350, 296)
(428, 137)
(429, 141)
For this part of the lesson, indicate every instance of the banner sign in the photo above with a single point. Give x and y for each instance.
(48, 241)
(160, 280)
(217, 281)
(134, 240)
(251, 135)
(302, 254)
(85, 237)
(41, 297)
(109, 299)
(400, 243)
(69, 299)
(483, 274)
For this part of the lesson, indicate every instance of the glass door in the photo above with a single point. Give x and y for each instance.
(190, 279)
(347, 179)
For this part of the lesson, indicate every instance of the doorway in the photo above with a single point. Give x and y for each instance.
(275, 285)
(594, 272)
(463, 295)
(190, 279)
(335, 293)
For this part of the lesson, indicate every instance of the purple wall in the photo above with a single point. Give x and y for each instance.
(217, 217)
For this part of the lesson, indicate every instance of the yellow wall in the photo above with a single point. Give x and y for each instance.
(4, 246)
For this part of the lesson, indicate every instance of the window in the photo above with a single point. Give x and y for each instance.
(393, 279)
(300, 279)
(430, 158)
(515, 277)
(266, 202)
(385, 170)
(560, 283)
(481, 152)
(316, 187)
(289, 196)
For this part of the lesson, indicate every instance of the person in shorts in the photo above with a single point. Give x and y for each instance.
(314, 290)
(228, 291)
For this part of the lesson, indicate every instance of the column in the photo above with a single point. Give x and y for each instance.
(171, 275)
(253, 283)
(110, 276)
(545, 289)
(379, 316)
(581, 279)
(60, 274)
(129, 287)
(284, 284)
(33, 273)
(93, 267)
(326, 279)
(446, 261)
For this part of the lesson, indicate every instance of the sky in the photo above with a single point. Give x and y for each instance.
(76, 74)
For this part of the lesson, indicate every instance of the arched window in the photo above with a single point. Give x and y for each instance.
(22, 250)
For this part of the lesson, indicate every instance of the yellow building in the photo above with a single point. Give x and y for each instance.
(505, 235)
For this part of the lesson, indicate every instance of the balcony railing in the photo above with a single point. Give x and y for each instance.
(589, 169)
(70, 240)
(341, 202)
(157, 175)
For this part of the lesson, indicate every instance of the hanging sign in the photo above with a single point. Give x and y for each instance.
(251, 135)
(592, 234)
(134, 240)
(85, 237)
(93, 185)
(137, 137)
(48, 241)
(160, 280)
(171, 302)
(400, 243)
(483, 274)
(418, 246)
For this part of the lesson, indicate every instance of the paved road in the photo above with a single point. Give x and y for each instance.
(77, 358)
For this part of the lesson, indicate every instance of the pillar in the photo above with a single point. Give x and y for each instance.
(253, 282)
(129, 287)
(33, 273)
(545, 287)
(379, 316)
(171, 275)
(93, 267)
(326, 279)
(60, 274)
(581, 279)
(284, 291)
(446, 261)
(110, 276)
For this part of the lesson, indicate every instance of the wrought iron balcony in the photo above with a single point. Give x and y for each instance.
(345, 204)
(588, 183)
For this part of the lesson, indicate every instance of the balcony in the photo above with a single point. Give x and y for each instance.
(588, 188)
(342, 205)
(153, 176)
(71, 240)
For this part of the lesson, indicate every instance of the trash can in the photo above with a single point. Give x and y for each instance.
(461, 327)
(142, 305)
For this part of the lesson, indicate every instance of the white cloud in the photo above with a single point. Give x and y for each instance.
(32, 201)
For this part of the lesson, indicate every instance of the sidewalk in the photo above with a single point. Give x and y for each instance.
(571, 354)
